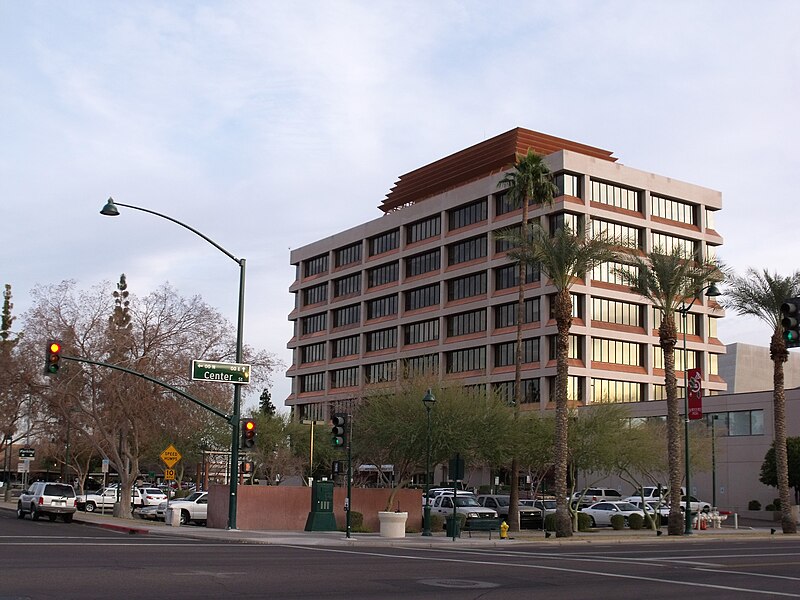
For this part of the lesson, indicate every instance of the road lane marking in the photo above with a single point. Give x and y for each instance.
(571, 571)
(726, 572)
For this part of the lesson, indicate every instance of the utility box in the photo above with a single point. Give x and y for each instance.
(321, 516)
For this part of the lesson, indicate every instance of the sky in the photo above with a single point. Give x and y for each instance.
(268, 125)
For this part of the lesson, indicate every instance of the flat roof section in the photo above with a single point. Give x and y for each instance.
(487, 157)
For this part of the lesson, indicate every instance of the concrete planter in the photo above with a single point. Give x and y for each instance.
(393, 524)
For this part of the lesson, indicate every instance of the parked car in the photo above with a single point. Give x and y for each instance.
(529, 516)
(147, 512)
(465, 505)
(592, 495)
(105, 499)
(546, 505)
(50, 499)
(601, 512)
(652, 493)
(695, 505)
(654, 507)
(193, 508)
(147, 496)
(434, 493)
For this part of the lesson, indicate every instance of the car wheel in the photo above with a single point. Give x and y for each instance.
(20, 512)
(184, 517)
(625, 522)
(51, 517)
(591, 521)
(90, 506)
(68, 518)
(34, 513)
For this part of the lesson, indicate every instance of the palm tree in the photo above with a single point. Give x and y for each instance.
(563, 257)
(667, 280)
(760, 294)
(530, 179)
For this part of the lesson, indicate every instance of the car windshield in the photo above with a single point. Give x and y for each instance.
(466, 501)
(152, 491)
(625, 506)
(59, 489)
(194, 496)
(501, 501)
(548, 503)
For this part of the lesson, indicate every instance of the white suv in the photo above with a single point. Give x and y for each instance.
(51, 499)
(592, 495)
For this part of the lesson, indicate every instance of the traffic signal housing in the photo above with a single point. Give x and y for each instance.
(339, 430)
(247, 438)
(790, 320)
(52, 358)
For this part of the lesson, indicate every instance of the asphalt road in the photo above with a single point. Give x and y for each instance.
(57, 560)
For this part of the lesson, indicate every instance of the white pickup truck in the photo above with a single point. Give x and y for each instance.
(104, 499)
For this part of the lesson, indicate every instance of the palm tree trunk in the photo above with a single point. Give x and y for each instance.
(779, 356)
(563, 315)
(667, 340)
(513, 500)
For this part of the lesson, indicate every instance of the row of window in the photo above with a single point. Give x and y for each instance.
(476, 211)
(732, 423)
(602, 310)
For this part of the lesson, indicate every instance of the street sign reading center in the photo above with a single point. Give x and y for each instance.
(207, 370)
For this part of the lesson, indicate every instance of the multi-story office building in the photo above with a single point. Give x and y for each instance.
(428, 286)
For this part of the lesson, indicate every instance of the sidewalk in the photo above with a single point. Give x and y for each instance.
(437, 540)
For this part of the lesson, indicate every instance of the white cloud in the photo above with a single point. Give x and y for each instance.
(267, 125)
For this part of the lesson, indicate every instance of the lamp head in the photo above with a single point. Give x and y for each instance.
(429, 399)
(110, 209)
(713, 291)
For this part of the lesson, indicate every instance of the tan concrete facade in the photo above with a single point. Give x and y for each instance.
(613, 360)
(739, 453)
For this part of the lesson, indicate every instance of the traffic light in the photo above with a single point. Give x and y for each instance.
(339, 430)
(790, 319)
(247, 467)
(52, 358)
(248, 437)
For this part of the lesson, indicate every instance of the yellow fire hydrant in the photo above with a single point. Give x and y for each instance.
(503, 530)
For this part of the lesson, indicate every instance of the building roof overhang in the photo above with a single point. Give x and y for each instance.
(494, 155)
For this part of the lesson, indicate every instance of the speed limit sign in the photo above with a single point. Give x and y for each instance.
(169, 474)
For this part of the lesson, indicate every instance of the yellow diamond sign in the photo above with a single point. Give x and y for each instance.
(170, 456)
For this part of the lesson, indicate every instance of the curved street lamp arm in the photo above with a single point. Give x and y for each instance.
(184, 225)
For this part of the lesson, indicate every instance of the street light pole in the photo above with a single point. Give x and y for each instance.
(110, 209)
(428, 400)
(713, 462)
(684, 310)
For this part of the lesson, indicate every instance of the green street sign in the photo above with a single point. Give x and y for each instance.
(207, 370)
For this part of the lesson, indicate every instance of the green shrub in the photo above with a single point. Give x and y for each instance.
(769, 507)
(437, 522)
(550, 522)
(776, 503)
(584, 522)
(617, 522)
(356, 523)
(636, 521)
(754, 505)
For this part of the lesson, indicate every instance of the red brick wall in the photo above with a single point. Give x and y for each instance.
(286, 508)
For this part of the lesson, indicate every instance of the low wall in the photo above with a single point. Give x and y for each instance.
(286, 508)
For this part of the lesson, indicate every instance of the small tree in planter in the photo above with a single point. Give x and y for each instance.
(390, 427)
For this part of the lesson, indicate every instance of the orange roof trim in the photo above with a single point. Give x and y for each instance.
(491, 156)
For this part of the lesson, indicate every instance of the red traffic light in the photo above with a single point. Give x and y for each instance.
(55, 347)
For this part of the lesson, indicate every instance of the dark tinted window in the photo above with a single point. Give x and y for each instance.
(59, 489)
